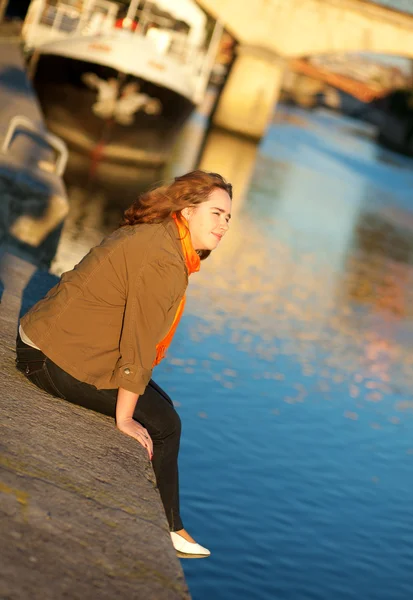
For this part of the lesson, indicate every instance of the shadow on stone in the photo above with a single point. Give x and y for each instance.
(14, 79)
(37, 287)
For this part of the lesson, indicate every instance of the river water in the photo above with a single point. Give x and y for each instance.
(293, 367)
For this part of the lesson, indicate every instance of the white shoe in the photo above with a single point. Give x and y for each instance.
(187, 549)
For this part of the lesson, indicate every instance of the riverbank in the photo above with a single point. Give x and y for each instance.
(80, 516)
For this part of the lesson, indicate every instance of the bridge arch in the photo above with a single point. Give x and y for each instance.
(271, 32)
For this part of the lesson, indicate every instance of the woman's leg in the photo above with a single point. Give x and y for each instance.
(154, 410)
(46, 375)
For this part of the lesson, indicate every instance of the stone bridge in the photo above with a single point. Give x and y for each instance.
(270, 32)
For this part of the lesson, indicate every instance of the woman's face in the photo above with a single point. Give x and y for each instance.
(208, 222)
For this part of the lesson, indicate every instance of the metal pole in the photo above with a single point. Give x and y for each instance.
(133, 7)
(208, 62)
(84, 14)
(3, 8)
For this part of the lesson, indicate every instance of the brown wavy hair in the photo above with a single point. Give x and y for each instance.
(158, 204)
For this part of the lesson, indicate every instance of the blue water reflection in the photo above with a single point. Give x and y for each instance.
(292, 371)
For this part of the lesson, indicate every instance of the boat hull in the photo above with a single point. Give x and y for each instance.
(97, 110)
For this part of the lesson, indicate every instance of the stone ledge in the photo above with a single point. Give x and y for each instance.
(79, 513)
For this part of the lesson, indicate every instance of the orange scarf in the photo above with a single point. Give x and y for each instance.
(193, 263)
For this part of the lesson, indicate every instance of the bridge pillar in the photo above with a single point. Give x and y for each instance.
(251, 92)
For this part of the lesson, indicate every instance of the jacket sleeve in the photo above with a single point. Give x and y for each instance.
(150, 308)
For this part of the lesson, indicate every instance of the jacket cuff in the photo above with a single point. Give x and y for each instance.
(132, 378)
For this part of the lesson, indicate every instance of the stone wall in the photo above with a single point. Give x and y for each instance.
(80, 516)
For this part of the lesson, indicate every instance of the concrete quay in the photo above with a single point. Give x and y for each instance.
(80, 516)
(79, 513)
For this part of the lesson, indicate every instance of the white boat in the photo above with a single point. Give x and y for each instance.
(119, 88)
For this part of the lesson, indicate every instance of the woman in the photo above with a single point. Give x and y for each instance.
(96, 336)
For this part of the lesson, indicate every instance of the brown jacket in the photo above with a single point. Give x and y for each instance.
(102, 321)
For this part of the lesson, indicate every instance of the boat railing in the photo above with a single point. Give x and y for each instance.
(176, 39)
(47, 20)
(62, 17)
(171, 43)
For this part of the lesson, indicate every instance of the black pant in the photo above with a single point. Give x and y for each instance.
(154, 410)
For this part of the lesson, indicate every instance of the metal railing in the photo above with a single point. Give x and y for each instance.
(55, 20)
(21, 123)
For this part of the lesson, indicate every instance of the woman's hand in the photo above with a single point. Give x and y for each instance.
(137, 431)
(125, 422)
